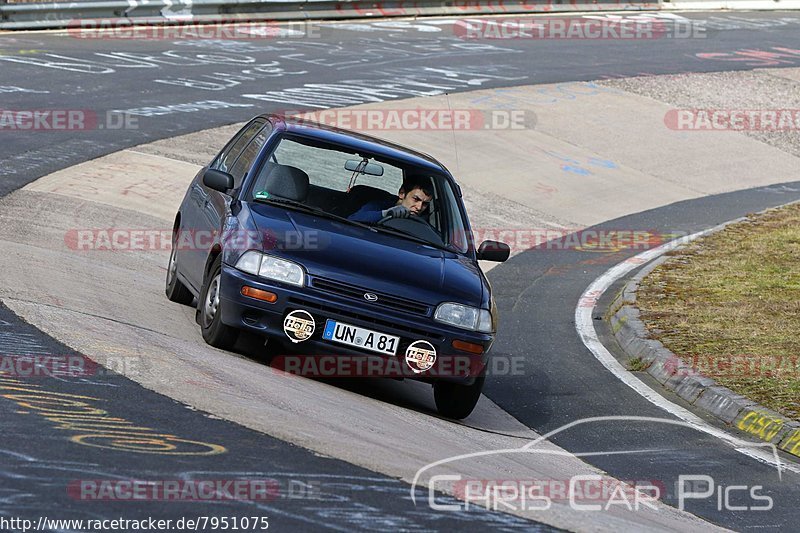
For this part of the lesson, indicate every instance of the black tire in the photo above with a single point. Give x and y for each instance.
(209, 310)
(457, 401)
(176, 291)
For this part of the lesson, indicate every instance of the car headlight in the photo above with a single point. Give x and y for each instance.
(272, 268)
(464, 316)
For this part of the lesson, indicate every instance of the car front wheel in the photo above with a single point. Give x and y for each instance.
(457, 401)
(209, 310)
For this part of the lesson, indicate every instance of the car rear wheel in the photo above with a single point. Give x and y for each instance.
(176, 291)
(209, 308)
(457, 401)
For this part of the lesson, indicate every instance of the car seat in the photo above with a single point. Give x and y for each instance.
(360, 195)
(283, 181)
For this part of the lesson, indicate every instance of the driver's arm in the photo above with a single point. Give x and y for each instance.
(371, 213)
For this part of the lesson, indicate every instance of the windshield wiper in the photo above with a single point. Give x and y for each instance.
(409, 236)
(311, 209)
(319, 211)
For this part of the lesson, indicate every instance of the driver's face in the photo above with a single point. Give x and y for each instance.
(416, 201)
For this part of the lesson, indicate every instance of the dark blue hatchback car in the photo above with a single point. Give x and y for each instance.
(342, 250)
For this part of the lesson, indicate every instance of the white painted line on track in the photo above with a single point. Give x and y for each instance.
(584, 325)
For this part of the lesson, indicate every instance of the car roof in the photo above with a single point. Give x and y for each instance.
(358, 141)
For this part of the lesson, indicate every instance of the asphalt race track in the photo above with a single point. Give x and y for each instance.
(330, 456)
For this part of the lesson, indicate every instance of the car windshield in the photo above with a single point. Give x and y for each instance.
(359, 186)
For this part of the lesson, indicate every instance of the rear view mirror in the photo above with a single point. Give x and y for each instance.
(218, 180)
(357, 165)
(493, 251)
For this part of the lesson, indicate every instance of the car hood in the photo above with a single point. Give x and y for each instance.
(374, 261)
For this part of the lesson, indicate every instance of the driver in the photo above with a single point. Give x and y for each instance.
(414, 197)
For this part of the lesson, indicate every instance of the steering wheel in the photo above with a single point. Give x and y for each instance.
(415, 218)
(419, 228)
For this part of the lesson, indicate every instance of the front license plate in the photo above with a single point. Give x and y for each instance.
(360, 337)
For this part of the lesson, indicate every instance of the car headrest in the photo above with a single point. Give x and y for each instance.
(365, 193)
(360, 195)
(284, 181)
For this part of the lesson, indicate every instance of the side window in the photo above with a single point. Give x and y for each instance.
(227, 158)
(248, 155)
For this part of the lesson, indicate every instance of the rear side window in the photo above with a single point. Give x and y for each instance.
(248, 155)
(227, 158)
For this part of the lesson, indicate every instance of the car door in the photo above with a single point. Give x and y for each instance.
(218, 209)
(210, 208)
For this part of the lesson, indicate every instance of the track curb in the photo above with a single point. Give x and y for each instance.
(674, 374)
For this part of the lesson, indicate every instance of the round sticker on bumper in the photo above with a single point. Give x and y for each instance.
(420, 356)
(299, 325)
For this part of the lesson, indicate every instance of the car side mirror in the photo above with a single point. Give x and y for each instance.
(218, 180)
(493, 251)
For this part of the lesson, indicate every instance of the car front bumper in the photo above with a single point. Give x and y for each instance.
(318, 357)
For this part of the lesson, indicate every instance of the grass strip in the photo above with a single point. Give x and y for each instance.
(729, 306)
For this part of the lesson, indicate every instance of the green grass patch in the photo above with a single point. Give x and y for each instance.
(729, 305)
(636, 364)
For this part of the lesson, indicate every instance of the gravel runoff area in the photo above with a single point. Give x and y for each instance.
(760, 89)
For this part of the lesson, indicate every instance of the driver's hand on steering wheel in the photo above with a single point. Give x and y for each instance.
(398, 211)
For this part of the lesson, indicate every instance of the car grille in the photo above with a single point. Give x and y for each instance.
(413, 333)
(357, 293)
